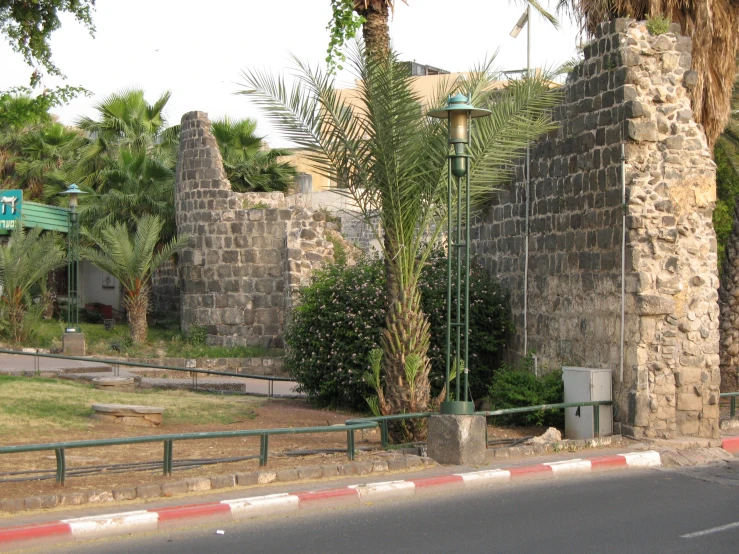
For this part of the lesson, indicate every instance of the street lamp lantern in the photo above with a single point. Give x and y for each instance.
(458, 113)
(73, 246)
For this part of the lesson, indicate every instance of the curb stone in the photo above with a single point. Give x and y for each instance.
(281, 504)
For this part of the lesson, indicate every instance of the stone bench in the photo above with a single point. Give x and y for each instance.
(117, 384)
(127, 414)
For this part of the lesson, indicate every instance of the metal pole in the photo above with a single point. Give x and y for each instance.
(73, 243)
(458, 319)
(528, 190)
(467, 273)
(450, 249)
(623, 263)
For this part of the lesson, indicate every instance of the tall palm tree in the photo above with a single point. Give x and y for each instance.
(726, 152)
(714, 28)
(132, 259)
(26, 259)
(250, 165)
(391, 160)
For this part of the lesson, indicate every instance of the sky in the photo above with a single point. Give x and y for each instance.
(198, 49)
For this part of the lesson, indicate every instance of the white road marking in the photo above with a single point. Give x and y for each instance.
(711, 530)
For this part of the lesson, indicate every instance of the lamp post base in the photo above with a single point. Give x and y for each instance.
(457, 439)
(73, 344)
(457, 408)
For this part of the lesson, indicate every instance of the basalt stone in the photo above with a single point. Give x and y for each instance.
(457, 439)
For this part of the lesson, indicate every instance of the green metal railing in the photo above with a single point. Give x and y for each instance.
(60, 448)
(732, 406)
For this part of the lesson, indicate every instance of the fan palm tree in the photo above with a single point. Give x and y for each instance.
(391, 160)
(42, 154)
(249, 164)
(131, 258)
(714, 28)
(26, 259)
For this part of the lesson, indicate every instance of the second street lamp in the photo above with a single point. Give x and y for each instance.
(458, 113)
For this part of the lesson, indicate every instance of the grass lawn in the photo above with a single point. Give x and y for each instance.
(164, 341)
(35, 404)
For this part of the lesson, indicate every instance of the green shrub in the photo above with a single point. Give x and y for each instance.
(489, 322)
(340, 316)
(196, 336)
(336, 323)
(520, 387)
(658, 25)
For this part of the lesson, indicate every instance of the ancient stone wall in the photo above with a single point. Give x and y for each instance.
(243, 259)
(165, 290)
(631, 90)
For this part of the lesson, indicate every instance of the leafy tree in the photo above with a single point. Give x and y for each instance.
(26, 259)
(391, 160)
(131, 258)
(27, 26)
(714, 28)
(249, 164)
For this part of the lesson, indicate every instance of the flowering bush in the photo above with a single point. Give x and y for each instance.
(340, 316)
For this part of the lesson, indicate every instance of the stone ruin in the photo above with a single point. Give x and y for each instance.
(631, 90)
(244, 261)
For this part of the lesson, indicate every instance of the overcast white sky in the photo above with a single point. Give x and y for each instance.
(196, 48)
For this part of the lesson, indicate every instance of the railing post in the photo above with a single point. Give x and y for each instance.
(383, 434)
(596, 420)
(61, 466)
(167, 465)
(263, 450)
(350, 445)
(732, 413)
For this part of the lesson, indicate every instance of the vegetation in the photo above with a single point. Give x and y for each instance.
(339, 319)
(132, 259)
(514, 387)
(27, 26)
(658, 25)
(392, 162)
(249, 164)
(25, 260)
(55, 405)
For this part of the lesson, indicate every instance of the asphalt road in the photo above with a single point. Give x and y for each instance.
(654, 511)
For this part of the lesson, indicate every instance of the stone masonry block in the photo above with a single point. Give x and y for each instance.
(457, 439)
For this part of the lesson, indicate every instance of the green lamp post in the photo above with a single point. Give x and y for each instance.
(73, 242)
(458, 113)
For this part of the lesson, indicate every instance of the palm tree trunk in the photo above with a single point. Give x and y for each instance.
(406, 333)
(136, 305)
(375, 29)
(729, 304)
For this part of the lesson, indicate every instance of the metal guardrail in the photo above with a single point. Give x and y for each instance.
(732, 395)
(114, 363)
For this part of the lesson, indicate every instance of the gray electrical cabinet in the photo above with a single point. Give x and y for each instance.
(584, 384)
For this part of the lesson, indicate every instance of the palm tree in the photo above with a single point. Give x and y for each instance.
(714, 28)
(249, 164)
(131, 258)
(25, 260)
(726, 153)
(43, 155)
(391, 160)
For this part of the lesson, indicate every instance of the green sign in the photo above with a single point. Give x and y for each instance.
(10, 208)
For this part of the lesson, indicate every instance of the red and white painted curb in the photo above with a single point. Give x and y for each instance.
(281, 504)
(731, 444)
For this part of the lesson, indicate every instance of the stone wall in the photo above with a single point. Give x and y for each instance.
(631, 90)
(243, 262)
(165, 290)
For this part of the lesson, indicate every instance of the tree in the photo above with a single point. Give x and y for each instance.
(391, 160)
(714, 28)
(131, 258)
(250, 165)
(27, 26)
(726, 223)
(25, 260)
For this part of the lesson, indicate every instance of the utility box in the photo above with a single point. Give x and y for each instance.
(584, 384)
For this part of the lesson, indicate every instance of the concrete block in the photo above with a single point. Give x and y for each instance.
(247, 479)
(222, 481)
(174, 488)
(73, 344)
(287, 475)
(457, 439)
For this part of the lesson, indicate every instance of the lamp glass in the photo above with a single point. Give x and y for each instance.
(458, 126)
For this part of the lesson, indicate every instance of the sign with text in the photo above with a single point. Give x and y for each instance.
(11, 202)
